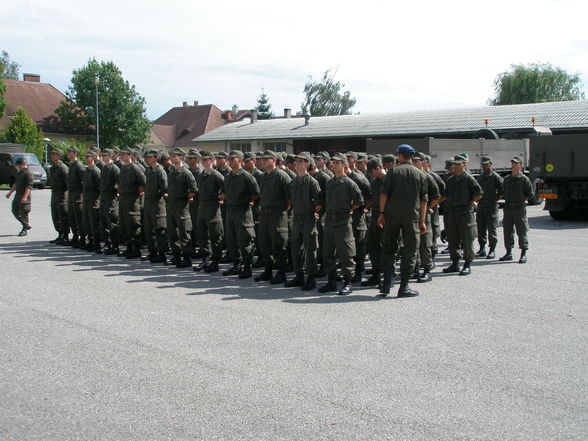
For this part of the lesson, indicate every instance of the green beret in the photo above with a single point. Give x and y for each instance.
(164, 155)
(268, 154)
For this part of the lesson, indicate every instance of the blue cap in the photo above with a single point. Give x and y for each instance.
(405, 148)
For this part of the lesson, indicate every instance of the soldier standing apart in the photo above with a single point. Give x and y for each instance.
(109, 215)
(306, 198)
(75, 198)
(58, 183)
(517, 190)
(274, 199)
(22, 187)
(209, 222)
(131, 186)
(240, 192)
(403, 206)
(341, 198)
(181, 192)
(487, 211)
(154, 211)
(461, 192)
(377, 173)
(91, 206)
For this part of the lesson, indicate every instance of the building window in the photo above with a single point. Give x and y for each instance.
(243, 146)
(275, 146)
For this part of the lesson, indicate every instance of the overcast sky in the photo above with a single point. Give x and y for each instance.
(413, 55)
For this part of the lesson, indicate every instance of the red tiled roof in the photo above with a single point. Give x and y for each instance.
(39, 100)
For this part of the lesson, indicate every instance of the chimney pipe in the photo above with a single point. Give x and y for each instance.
(253, 116)
(31, 78)
(235, 109)
(185, 104)
(287, 113)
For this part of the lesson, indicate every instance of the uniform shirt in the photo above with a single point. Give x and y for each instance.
(439, 181)
(366, 192)
(491, 184)
(305, 193)
(376, 189)
(256, 173)
(181, 182)
(433, 192)
(289, 172)
(405, 186)
(460, 192)
(341, 194)
(239, 187)
(517, 190)
(274, 190)
(328, 172)
(210, 186)
(99, 163)
(224, 170)
(24, 179)
(109, 181)
(156, 183)
(91, 188)
(75, 177)
(130, 179)
(119, 164)
(142, 166)
(58, 177)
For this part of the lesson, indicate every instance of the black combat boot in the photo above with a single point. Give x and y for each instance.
(507, 256)
(433, 255)
(453, 268)
(491, 253)
(226, 258)
(523, 258)
(98, 246)
(279, 278)
(246, 271)
(135, 250)
(160, 257)
(466, 270)
(358, 275)
(82, 244)
(266, 275)
(482, 252)
(110, 248)
(151, 255)
(374, 280)
(416, 274)
(186, 261)
(212, 267)
(425, 276)
(91, 247)
(64, 241)
(258, 263)
(330, 286)
(176, 258)
(321, 273)
(405, 291)
(235, 270)
(57, 239)
(296, 281)
(386, 284)
(310, 284)
(346, 288)
(75, 241)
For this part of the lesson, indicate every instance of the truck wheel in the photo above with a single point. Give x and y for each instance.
(559, 215)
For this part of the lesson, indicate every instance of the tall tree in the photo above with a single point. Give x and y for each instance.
(22, 130)
(326, 97)
(536, 83)
(121, 109)
(3, 102)
(8, 69)
(264, 108)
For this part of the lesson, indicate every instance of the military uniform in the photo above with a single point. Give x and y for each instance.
(426, 240)
(75, 202)
(517, 191)
(359, 223)
(375, 232)
(131, 182)
(20, 210)
(322, 178)
(58, 183)
(487, 211)
(155, 212)
(193, 206)
(91, 205)
(435, 219)
(109, 214)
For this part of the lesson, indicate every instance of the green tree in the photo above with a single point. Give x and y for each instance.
(326, 97)
(121, 109)
(22, 130)
(536, 83)
(3, 102)
(264, 107)
(8, 69)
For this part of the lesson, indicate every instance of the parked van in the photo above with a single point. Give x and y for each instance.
(9, 153)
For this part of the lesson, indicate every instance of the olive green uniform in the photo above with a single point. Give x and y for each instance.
(460, 191)
(20, 210)
(154, 211)
(406, 187)
(487, 211)
(109, 215)
(58, 182)
(305, 193)
(517, 190)
(193, 207)
(426, 240)
(359, 223)
(130, 179)
(375, 232)
(435, 221)
(322, 178)
(338, 240)
(181, 182)
(274, 194)
(74, 198)
(209, 222)
(91, 204)
(239, 187)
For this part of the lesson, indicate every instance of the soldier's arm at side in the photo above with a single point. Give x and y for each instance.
(383, 202)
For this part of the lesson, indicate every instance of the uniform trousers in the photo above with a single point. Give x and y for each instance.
(154, 224)
(130, 217)
(179, 226)
(338, 241)
(91, 215)
(375, 243)
(273, 237)
(461, 230)
(240, 234)
(399, 228)
(515, 218)
(209, 228)
(304, 243)
(487, 223)
(21, 211)
(59, 212)
(109, 220)
(75, 202)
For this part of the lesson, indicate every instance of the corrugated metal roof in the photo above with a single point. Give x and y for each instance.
(557, 115)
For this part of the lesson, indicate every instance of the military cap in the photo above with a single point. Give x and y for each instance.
(205, 154)
(57, 152)
(389, 158)
(464, 155)
(91, 153)
(20, 160)
(304, 156)
(352, 154)
(177, 151)
(281, 156)
(249, 156)
(289, 158)
(419, 155)
(222, 155)
(236, 154)
(448, 163)
(516, 159)
(486, 159)
(268, 154)
(95, 149)
(322, 155)
(370, 157)
(427, 158)
(374, 163)
(107, 152)
(115, 149)
(126, 151)
(194, 154)
(73, 149)
(339, 157)
(405, 149)
(136, 151)
(152, 152)
(164, 154)
(362, 157)
(458, 159)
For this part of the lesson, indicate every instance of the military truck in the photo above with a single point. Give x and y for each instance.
(9, 153)
(561, 164)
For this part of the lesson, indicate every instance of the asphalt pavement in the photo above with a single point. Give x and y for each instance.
(98, 347)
